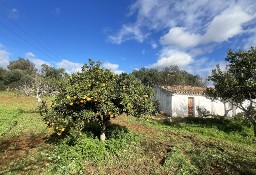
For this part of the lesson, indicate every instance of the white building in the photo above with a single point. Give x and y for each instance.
(183, 101)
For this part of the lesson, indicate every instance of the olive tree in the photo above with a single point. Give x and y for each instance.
(237, 83)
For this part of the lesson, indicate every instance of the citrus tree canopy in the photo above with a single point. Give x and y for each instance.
(95, 95)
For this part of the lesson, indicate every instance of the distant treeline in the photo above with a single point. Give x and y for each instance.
(169, 76)
(22, 74)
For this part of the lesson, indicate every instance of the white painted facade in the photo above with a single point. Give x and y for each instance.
(176, 104)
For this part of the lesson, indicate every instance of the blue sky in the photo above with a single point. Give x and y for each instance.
(126, 35)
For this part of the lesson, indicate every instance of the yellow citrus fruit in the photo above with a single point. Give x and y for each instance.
(71, 104)
(63, 129)
(75, 97)
(68, 97)
(103, 84)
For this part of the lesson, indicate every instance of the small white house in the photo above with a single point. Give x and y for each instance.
(184, 100)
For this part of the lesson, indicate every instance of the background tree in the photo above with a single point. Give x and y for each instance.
(19, 75)
(15, 79)
(169, 76)
(148, 77)
(49, 79)
(237, 83)
(2, 73)
(24, 65)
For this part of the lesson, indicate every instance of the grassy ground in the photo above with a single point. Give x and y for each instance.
(135, 146)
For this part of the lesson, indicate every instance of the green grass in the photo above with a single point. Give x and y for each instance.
(22, 133)
(134, 145)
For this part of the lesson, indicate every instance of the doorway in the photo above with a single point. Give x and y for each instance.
(191, 107)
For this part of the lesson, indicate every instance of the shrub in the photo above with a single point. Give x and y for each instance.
(202, 112)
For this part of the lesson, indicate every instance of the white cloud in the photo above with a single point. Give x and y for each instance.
(178, 36)
(38, 62)
(4, 57)
(112, 67)
(170, 57)
(189, 23)
(69, 66)
(226, 25)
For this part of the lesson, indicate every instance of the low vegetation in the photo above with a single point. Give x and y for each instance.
(134, 146)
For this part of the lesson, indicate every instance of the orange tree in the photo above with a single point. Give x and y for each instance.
(95, 96)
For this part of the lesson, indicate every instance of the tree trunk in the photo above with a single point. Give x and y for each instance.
(254, 128)
(103, 130)
(252, 118)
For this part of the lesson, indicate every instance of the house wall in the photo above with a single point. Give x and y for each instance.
(164, 99)
(177, 104)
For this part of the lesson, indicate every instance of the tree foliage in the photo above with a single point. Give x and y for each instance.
(237, 83)
(94, 96)
(48, 80)
(24, 65)
(169, 76)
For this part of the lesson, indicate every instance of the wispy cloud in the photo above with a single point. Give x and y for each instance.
(154, 45)
(14, 13)
(127, 32)
(57, 11)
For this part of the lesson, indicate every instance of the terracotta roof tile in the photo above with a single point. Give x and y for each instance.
(184, 89)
